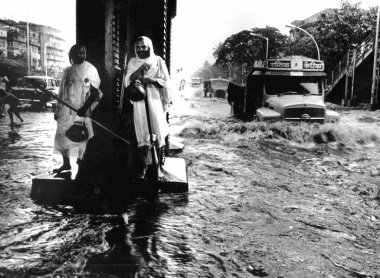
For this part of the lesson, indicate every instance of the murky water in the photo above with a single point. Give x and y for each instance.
(169, 235)
(255, 208)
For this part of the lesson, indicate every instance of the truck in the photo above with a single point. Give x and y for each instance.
(290, 88)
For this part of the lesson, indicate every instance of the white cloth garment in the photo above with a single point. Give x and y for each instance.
(158, 98)
(74, 90)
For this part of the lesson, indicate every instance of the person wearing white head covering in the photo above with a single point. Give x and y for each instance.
(75, 89)
(156, 80)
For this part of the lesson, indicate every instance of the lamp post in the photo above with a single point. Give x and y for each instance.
(27, 38)
(266, 52)
(229, 71)
(292, 26)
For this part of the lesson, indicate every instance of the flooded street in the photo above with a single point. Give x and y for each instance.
(255, 208)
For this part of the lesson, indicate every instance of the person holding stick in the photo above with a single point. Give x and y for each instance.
(80, 89)
(151, 71)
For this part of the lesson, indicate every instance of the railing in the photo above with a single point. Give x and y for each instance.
(343, 67)
(365, 48)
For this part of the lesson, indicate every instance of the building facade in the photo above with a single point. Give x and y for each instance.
(45, 45)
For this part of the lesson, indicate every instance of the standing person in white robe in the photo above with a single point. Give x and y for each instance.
(79, 88)
(157, 83)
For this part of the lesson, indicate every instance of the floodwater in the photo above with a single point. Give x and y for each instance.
(156, 236)
(255, 207)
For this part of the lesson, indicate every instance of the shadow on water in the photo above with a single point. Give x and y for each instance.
(137, 236)
(142, 237)
(105, 235)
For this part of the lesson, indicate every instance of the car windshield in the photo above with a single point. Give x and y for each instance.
(32, 82)
(281, 85)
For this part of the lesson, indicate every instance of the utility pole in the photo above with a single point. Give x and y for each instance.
(27, 38)
(267, 44)
(376, 65)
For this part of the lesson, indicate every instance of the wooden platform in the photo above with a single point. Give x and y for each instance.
(54, 189)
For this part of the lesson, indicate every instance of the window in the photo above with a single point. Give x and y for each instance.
(277, 85)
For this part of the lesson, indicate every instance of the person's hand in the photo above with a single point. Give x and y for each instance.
(147, 80)
(81, 112)
(145, 66)
(94, 89)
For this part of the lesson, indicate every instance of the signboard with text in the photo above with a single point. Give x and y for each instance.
(279, 64)
(296, 64)
(313, 65)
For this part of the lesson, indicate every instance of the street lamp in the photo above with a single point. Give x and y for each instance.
(27, 38)
(229, 71)
(292, 26)
(257, 35)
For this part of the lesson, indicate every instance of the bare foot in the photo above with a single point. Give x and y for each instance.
(62, 168)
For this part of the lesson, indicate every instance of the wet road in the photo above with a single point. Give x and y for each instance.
(256, 207)
(162, 236)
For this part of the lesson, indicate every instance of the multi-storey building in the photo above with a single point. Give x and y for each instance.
(3, 42)
(45, 45)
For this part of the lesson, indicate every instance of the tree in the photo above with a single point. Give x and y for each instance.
(22, 58)
(335, 33)
(207, 64)
(243, 47)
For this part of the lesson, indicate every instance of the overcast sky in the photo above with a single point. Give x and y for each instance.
(198, 27)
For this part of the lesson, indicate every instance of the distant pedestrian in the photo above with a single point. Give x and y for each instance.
(13, 102)
(4, 82)
(3, 86)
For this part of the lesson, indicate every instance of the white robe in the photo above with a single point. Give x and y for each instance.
(158, 99)
(74, 91)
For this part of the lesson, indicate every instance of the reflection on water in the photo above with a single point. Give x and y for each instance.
(39, 240)
(166, 235)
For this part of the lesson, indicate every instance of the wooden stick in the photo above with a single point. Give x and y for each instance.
(99, 124)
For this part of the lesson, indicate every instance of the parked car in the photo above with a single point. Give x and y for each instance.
(28, 90)
(289, 88)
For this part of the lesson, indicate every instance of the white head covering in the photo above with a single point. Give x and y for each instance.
(157, 68)
(151, 60)
(149, 43)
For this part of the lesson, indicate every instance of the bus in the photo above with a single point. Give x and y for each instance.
(289, 88)
(196, 82)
